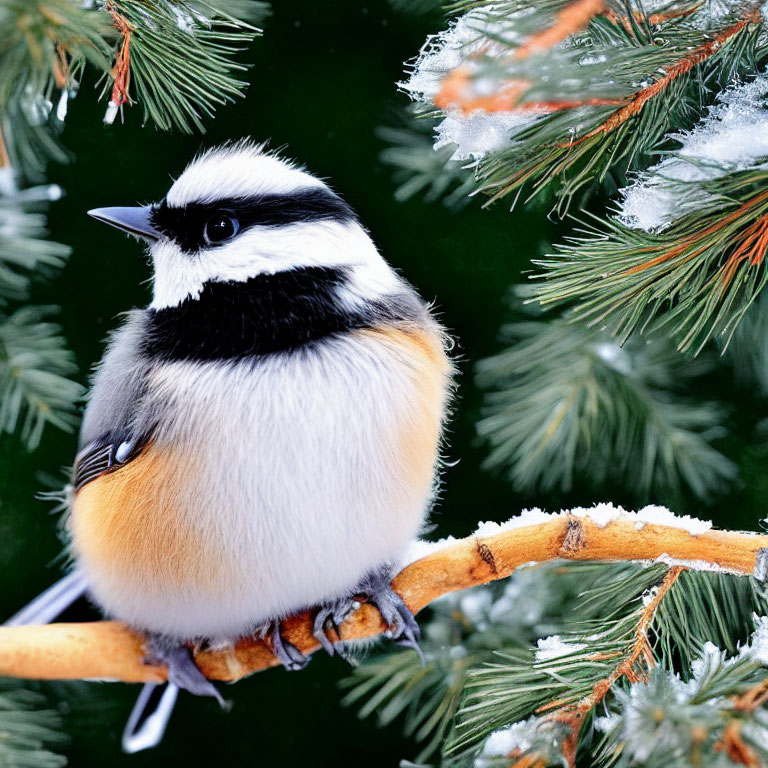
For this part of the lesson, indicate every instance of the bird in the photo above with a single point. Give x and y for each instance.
(265, 436)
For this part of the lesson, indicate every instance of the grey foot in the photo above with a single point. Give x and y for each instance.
(182, 670)
(326, 625)
(287, 653)
(376, 590)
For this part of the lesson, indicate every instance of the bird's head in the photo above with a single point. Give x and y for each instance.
(238, 212)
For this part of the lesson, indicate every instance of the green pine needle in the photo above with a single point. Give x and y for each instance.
(482, 673)
(33, 37)
(181, 57)
(28, 731)
(24, 251)
(420, 171)
(579, 89)
(690, 280)
(568, 402)
(35, 370)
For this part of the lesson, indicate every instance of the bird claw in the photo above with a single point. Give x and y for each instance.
(182, 670)
(287, 653)
(376, 590)
(327, 620)
(403, 629)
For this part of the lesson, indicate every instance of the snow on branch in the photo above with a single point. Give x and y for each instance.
(557, 93)
(112, 651)
(733, 137)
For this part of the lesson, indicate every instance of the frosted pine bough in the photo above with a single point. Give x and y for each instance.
(569, 69)
(732, 137)
(477, 133)
(684, 257)
(566, 654)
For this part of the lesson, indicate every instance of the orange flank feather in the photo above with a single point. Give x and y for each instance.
(424, 352)
(128, 524)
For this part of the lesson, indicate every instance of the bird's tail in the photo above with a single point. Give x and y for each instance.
(49, 604)
(149, 717)
(152, 710)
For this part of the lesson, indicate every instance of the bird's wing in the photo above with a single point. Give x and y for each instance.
(106, 455)
(115, 427)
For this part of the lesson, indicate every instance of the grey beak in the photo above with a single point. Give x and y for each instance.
(136, 221)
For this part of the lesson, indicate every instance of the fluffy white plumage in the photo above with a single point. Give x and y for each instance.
(239, 168)
(298, 485)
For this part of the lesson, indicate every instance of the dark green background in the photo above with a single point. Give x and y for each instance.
(322, 80)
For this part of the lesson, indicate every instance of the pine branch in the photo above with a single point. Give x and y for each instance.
(24, 250)
(747, 352)
(568, 401)
(630, 666)
(569, 150)
(44, 47)
(418, 170)
(35, 370)
(623, 658)
(576, 76)
(685, 253)
(35, 367)
(29, 731)
(463, 631)
(482, 660)
(178, 58)
(562, 687)
(110, 650)
(715, 719)
(695, 279)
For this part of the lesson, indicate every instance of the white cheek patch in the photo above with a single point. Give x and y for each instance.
(244, 169)
(178, 276)
(269, 250)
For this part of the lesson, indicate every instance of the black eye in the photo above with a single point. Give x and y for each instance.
(220, 227)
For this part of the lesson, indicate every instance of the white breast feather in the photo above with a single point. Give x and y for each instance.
(305, 488)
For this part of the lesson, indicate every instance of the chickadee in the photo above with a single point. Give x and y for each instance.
(263, 437)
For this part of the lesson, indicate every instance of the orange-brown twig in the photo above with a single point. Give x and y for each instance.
(121, 72)
(639, 656)
(653, 19)
(573, 18)
(110, 650)
(5, 159)
(754, 698)
(456, 90)
(527, 761)
(733, 745)
(699, 237)
(61, 67)
(752, 248)
(695, 57)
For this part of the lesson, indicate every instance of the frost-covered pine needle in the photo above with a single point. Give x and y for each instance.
(478, 133)
(732, 137)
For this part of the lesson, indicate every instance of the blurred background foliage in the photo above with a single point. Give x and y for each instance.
(322, 86)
